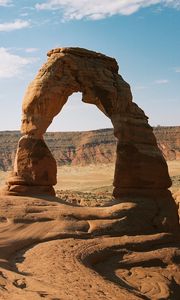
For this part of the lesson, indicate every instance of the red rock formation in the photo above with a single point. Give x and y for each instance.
(139, 163)
(35, 165)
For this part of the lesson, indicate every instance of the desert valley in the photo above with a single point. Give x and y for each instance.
(86, 160)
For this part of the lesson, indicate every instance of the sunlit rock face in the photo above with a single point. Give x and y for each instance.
(139, 162)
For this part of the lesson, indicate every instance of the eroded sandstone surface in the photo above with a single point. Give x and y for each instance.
(51, 250)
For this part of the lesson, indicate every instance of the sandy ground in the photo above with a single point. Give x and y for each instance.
(93, 177)
(90, 177)
(174, 167)
(85, 178)
(54, 250)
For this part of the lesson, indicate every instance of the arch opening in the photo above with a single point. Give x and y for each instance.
(79, 116)
(85, 153)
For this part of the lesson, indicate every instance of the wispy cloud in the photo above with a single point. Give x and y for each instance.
(24, 14)
(17, 24)
(140, 87)
(99, 9)
(5, 2)
(161, 81)
(12, 65)
(177, 69)
(31, 50)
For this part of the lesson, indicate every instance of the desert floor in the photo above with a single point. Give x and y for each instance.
(92, 177)
(53, 250)
(95, 177)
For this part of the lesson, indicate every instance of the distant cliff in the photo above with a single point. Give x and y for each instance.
(88, 147)
(168, 139)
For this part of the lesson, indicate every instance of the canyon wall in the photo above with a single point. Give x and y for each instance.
(88, 147)
(168, 139)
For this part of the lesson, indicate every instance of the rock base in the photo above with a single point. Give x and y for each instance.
(27, 190)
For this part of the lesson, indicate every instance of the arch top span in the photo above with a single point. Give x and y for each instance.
(70, 70)
(81, 52)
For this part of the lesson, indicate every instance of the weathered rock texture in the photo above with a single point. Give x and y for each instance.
(51, 250)
(34, 166)
(139, 162)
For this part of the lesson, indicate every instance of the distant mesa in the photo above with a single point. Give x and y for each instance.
(87, 147)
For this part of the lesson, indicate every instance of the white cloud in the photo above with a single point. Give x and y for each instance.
(161, 81)
(5, 2)
(12, 65)
(17, 24)
(99, 9)
(31, 50)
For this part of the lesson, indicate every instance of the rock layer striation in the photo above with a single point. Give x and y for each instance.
(87, 147)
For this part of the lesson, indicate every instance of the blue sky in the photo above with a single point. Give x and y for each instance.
(143, 36)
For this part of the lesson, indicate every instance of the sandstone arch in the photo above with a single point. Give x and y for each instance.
(51, 249)
(140, 166)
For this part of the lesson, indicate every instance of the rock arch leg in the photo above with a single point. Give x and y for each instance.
(141, 172)
(34, 169)
(140, 166)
